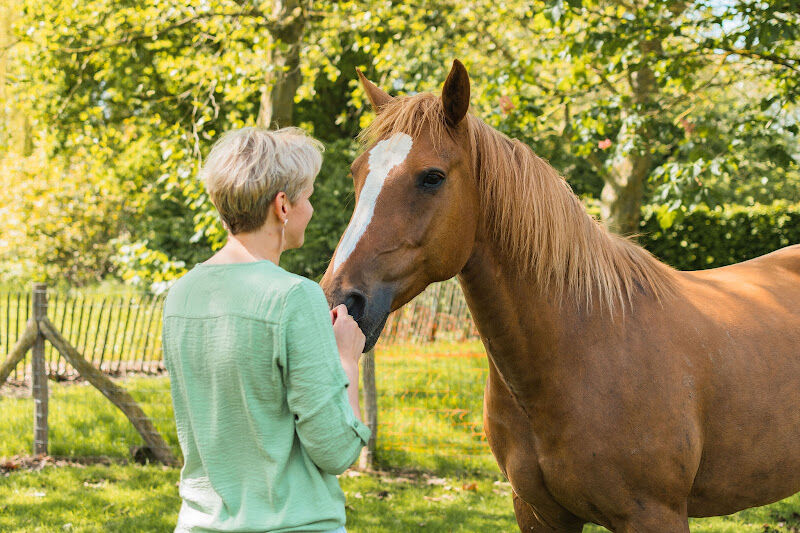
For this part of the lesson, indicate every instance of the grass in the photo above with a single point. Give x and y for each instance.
(133, 498)
(431, 398)
(442, 476)
(83, 423)
(144, 498)
(94, 498)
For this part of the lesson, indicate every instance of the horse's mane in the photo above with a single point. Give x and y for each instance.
(535, 219)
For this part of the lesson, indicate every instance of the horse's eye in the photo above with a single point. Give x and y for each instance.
(432, 179)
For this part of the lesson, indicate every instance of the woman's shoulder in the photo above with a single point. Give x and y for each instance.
(304, 289)
(258, 289)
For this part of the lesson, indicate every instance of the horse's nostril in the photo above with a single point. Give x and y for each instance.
(355, 303)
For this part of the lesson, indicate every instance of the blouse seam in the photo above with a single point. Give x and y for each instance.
(233, 314)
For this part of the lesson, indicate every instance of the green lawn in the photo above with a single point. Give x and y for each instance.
(438, 474)
(134, 498)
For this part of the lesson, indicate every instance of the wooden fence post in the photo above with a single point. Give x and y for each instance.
(118, 395)
(434, 312)
(39, 373)
(367, 459)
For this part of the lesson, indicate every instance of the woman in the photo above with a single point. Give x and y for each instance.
(265, 391)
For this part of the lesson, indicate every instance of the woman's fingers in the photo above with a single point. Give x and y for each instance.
(340, 311)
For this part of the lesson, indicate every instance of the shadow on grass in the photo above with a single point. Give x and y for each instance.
(95, 498)
(440, 464)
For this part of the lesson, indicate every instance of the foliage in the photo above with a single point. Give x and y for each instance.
(707, 238)
(139, 265)
(623, 85)
(333, 201)
(53, 229)
(124, 100)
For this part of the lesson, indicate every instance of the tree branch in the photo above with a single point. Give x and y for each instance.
(789, 62)
(705, 85)
(604, 79)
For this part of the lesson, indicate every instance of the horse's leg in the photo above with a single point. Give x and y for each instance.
(654, 517)
(529, 522)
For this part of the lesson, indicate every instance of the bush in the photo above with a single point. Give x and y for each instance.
(713, 238)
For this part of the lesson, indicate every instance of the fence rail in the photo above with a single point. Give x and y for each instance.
(117, 334)
(122, 334)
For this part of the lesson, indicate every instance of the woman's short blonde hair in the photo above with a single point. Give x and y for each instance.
(248, 167)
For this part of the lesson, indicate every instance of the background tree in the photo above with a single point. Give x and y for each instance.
(627, 84)
(680, 104)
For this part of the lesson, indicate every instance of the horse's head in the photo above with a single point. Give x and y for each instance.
(416, 211)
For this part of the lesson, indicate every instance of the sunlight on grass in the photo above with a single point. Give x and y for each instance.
(440, 474)
(84, 423)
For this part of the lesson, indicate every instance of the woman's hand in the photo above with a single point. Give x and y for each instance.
(349, 338)
(350, 342)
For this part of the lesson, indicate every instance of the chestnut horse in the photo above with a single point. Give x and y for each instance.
(620, 391)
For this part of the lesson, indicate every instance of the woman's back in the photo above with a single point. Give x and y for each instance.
(258, 392)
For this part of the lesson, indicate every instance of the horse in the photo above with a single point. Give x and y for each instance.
(620, 391)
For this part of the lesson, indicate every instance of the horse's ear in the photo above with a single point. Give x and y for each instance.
(455, 94)
(377, 96)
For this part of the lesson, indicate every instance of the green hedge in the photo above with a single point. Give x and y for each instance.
(712, 238)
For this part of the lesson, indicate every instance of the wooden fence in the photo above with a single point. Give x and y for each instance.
(100, 335)
(122, 334)
(39, 333)
(117, 334)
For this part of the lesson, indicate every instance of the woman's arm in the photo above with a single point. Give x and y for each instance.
(320, 394)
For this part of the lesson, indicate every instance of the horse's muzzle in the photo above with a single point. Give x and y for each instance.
(369, 308)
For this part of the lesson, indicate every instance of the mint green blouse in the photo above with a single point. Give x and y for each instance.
(260, 404)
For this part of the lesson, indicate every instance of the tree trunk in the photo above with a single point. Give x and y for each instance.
(15, 126)
(283, 78)
(5, 41)
(623, 193)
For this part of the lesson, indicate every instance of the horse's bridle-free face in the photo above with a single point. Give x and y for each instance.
(414, 223)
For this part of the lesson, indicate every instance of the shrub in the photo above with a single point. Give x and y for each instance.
(711, 238)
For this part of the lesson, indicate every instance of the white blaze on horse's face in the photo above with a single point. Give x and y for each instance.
(383, 157)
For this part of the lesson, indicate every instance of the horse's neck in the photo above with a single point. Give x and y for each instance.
(520, 327)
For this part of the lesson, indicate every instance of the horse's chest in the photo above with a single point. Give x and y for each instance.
(539, 474)
(516, 441)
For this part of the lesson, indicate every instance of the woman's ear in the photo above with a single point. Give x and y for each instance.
(280, 206)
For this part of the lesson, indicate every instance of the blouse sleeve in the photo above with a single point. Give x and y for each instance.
(315, 383)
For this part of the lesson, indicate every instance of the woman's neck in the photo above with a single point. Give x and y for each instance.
(264, 243)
